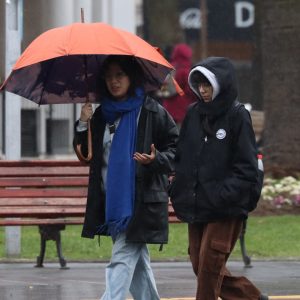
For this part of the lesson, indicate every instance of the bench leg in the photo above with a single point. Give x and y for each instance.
(40, 258)
(51, 232)
(246, 258)
(62, 261)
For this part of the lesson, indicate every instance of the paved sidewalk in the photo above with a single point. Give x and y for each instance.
(175, 280)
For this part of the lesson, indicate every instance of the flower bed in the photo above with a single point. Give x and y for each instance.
(279, 196)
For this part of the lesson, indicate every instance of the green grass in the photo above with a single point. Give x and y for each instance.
(272, 237)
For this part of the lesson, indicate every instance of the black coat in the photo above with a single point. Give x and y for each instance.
(149, 223)
(215, 171)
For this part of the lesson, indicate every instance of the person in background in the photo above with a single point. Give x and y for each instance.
(134, 141)
(176, 105)
(216, 170)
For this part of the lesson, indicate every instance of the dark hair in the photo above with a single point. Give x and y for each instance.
(198, 77)
(129, 66)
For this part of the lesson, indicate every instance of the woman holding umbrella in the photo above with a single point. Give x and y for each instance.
(134, 141)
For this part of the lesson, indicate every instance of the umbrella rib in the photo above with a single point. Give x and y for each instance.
(51, 62)
(151, 75)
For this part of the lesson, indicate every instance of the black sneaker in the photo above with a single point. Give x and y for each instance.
(263, 297)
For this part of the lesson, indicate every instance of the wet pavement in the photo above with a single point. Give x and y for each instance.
(85, 281)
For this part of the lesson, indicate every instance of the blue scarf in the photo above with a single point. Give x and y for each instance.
(120, 182)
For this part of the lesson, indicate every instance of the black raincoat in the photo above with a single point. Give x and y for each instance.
(149, 223)
(215, 169)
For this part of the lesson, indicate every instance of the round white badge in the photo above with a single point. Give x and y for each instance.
(221, 133)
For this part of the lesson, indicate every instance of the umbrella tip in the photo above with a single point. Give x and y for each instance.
(82, 15)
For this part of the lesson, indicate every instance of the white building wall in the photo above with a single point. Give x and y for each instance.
(124, 15)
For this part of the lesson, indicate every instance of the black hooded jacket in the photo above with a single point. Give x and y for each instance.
(215, 163)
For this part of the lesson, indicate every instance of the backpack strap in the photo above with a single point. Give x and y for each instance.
(233, 110)
(235, 107)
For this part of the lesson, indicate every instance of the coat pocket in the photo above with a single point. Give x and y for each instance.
(210, 191)
(219, 251)
(151, 213)
(153, 196)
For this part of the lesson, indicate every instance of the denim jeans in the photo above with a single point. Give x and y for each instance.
(129, 270)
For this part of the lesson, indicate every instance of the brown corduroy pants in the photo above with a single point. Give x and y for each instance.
(210, 245)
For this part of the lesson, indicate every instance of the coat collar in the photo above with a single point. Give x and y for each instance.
(151, 104)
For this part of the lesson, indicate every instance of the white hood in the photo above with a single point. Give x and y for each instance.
(210, 77)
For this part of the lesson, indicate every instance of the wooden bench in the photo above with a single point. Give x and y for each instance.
(50, 194)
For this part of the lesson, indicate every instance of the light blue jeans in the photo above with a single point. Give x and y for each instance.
(129, 270)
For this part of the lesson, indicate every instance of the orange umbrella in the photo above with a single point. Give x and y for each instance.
(62, 65)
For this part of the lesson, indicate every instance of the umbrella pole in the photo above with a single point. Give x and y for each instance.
(89, 136)
(78, 147)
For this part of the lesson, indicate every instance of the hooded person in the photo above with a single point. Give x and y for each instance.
(176, 105)
(215, 170)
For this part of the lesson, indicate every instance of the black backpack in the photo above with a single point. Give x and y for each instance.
(255, 192)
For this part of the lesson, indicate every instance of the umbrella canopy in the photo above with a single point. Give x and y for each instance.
(63, 64)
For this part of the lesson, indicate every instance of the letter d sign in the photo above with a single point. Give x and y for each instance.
(240, 20)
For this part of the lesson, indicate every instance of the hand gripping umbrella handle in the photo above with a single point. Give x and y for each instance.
(90, 151)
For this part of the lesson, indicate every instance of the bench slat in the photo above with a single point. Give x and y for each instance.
(11, 202)
(173, 219)
(42, 163)
(36, 211)
(44, 221)
(48, 193)
(31, 222)
(41, 171)
(43, 181)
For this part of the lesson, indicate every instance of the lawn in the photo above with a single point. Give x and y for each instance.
(269, 237)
